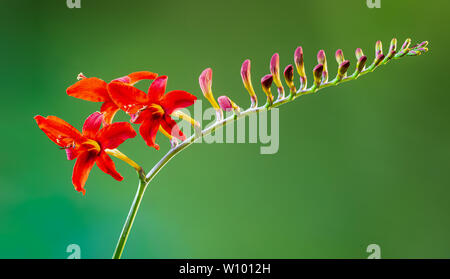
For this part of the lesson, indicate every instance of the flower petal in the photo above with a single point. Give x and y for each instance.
(81, 170)
(107, 165)
(92, 124)
(148, 130)
(71, 153)
(128, 98)
(109, 110)
(138, 76)
(157, 89)
(135, 77)
(58, 130)
(171, 127)
(111, 136)
(89, 89)
(177, 99)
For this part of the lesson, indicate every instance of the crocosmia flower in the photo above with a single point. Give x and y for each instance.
(89, 146)
(151, 110)
(95, 90)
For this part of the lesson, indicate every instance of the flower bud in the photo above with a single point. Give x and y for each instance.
(378, 60)
(322, 59)
(360, 65)
(275, 71)
(299, 64)
(406, 44)
(317, 72)
(339, 56)
(422, 44)
(227, 105)
(378, 48)
(246, 79)
(392, 50)
(359, 53)
(289, 77)
(393, 46)
(343, 68)
(205, 81)
(266, 83)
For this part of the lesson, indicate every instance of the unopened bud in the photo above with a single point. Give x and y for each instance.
(322, 59)
(339, 56)
(205, 81)
(343, 68)
(359, 53)
(422, 44)
(299, 64)
(317, 72)
(406, 44)
(392, 50)
(275, 71)
(226, 104)
(378, 48)
(246, 79)
(393, 46)
(360, 65)
(379, 58)
(289, 77)
(266, 83)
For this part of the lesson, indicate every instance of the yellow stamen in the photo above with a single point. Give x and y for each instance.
(91, 145)
(158, 109)
(116, 153)
(165, 133)
(185, 117)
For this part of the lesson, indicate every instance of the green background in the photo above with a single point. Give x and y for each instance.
(365, 162)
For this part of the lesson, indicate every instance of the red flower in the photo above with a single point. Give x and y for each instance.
(95, 90)
(89, 146)
(151, 110)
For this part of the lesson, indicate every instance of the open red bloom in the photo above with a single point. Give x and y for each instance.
(151, 110)
(89, 146)
(95, 90)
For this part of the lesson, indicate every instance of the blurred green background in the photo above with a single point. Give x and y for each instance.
(365, 162)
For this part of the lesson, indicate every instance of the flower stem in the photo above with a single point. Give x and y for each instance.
(130, 219)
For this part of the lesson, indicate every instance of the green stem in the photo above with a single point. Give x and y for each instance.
(130, 219)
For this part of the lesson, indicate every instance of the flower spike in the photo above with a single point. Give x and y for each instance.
(299, 63)
(266, 83)
(275, 71)
(205, 81)
(246, 79)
